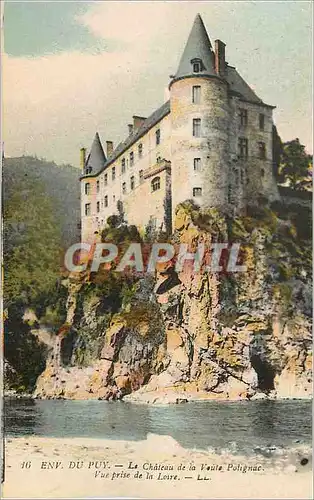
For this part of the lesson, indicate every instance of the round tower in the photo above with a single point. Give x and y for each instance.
(200, 123)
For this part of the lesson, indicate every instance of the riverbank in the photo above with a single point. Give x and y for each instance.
(39, 467)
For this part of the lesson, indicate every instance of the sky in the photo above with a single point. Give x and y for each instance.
(73, 68)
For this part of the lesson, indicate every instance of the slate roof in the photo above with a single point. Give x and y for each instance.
(152, 120)
(198, 46)
(239, 86)
(96, 157)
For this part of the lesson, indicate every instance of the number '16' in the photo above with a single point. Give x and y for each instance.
(26, 465)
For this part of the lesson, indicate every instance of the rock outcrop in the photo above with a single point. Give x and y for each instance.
(193, 335)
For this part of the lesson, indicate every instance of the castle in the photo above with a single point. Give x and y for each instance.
(211, 142)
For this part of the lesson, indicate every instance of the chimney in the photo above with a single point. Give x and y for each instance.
(109, 148)
(138, 121)
(82, 159)
(130, 127)
(220, 61)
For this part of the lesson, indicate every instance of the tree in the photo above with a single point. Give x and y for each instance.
(295, 168)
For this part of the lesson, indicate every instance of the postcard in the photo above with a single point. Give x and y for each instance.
(157, 257)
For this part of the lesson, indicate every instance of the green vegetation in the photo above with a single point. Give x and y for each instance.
(41, 213)
(295, 165)
(25, 354)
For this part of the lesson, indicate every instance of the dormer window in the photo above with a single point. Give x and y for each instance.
(197, 65)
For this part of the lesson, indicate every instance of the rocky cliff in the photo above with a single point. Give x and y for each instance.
(181, 335)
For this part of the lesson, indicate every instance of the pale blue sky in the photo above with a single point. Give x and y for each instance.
(71, 68)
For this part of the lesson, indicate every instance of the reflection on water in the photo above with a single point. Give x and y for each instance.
(248, 424)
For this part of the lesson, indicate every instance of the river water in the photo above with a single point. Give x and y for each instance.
(245, 427)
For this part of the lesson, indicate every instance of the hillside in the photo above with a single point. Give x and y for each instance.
(59, 182)
(41, 213)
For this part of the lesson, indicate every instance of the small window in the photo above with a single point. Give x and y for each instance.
(197, 191)
(131, 159)
(243, 147)
(113, 173)
(98, 206)
(97, 186)
(196, 94)
(262, 172)
(87, 209)
(132, 182)
(229, 193)
(196, 67)
(106, 179)
(124, 187)
(87, 188)
(140, 150)
(261, 121)
(141, 176)
(196, 127)
(157, 134)
(197, 165)
(123, 166)
(243, 117)
(155, 184)
(106, 201)
(262, 150)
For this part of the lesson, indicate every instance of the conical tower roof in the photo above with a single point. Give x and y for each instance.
(96, 157)
(198, 46)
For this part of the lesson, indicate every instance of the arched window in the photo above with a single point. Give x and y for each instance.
(155, 184)
(87, 188)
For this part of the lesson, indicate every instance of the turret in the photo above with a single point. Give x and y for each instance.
(96, 158)
(200, 123)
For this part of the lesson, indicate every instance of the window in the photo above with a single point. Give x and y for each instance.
(87, 188)
(243, 117)
(123, 166)
(243, 147)
(196, 94)
(196, 127)
(141, 176)
(132, 183)
(197, 165)
(106, 201)
(106, 179)
(140, 150)
(98, 206)
(155, 184)
(157, 134)
(262, 150)
(197, 191)
(124, 188)
(87, 209)
(229, 193)
(261, 121)
(262, 172)
(97, 186)
(196, 67)
(131, 159)
(113, 173)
